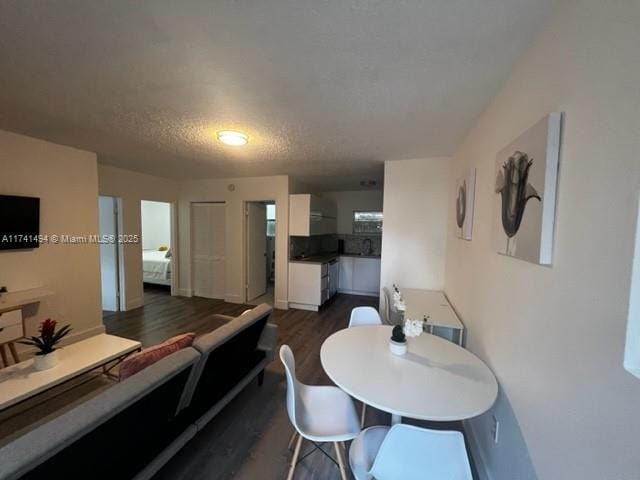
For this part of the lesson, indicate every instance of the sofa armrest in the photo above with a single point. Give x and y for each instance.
(268, 340)
(224, 318)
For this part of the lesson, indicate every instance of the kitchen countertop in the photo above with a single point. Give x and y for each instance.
(327, 257)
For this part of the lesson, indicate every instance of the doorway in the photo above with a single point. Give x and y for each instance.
(260, 251)
(111, 258)
(157, 247)
(208, 245)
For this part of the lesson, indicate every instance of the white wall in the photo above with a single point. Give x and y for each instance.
(132, 188)
(415, 221)
(109, 275)
(66, 181)
(555, 336)
(156, 224)
(246, 190)
(348, 202)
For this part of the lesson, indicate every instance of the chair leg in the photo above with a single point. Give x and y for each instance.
(363, 416)
(14, 353)
(294, 460)
(3, 354)
(343, 472)
(292, 439)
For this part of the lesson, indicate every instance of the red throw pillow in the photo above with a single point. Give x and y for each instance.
(148, 356)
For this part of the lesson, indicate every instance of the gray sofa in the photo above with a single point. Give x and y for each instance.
(133, 428)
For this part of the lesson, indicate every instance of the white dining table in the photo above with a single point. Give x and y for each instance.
(435, 380)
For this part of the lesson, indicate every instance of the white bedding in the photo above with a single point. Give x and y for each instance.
(156, 268)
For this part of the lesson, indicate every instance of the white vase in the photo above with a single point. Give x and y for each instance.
(45, 362)
(398, 348)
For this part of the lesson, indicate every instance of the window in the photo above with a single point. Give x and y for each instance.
(271, 220)
(367, 222)
(632, 348)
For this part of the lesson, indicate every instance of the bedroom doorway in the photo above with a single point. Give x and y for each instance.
(111, 257)
(260, 252)
(157, 247)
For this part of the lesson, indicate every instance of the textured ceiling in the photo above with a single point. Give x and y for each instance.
(326, 89)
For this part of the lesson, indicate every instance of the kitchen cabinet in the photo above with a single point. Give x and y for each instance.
(334, 277)
(311, 215)
(311, 284)
(360, 275)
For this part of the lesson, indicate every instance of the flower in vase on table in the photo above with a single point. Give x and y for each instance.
(413, 328)
(49, 337)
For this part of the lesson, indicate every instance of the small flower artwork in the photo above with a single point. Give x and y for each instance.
(525, 189)
(465, 195)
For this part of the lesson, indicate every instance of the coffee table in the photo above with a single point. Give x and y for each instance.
(21, 381)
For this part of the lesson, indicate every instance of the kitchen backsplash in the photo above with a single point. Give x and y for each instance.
(353, 245)
(362, 244)
(315, 245)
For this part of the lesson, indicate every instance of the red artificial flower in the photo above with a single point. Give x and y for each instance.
(48, 328)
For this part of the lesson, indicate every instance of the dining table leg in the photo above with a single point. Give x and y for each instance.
(396, 419)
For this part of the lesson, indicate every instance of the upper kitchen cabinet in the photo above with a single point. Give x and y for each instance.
(311, 215)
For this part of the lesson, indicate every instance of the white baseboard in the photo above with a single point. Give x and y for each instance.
(302, 306)
(184, 292)
(233, 298)
(364, 294)
(476, 452)
(281, 305)
(134, 303)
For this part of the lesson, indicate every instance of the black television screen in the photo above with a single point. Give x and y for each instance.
(19, 222)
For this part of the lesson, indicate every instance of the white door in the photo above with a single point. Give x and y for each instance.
(208, 249)
(256, 250)
(109, 254)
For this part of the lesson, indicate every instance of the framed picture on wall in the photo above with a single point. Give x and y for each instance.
(465, 188)
(525, 187)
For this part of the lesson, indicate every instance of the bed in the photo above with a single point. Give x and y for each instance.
(156, 267)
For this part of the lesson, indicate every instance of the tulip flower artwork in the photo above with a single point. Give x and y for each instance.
(525, 188)
(515, 191)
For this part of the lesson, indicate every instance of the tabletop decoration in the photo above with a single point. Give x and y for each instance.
(398, 341)
(398, 301)
(47, 355)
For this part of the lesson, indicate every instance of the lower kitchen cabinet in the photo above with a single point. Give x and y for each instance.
(360, 275)
(312, 284)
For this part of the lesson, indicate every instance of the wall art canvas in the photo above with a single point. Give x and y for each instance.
(465, 188)
(525, 193)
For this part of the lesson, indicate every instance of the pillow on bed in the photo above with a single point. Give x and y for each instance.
(148, 356)
(163, 248)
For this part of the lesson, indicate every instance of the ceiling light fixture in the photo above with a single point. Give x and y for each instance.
(235, 139)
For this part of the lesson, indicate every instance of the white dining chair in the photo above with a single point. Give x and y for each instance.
(390, 315)
(364, 316)
(409, 453)
(385, 306)
(318, 414)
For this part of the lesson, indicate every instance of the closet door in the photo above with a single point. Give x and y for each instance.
(208, 230)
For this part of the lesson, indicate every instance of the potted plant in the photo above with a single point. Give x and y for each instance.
(47, 354)
(398, 342)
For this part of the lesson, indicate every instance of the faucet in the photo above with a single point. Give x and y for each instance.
(366, 247)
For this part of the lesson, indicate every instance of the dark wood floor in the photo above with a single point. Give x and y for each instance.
(248, 439)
